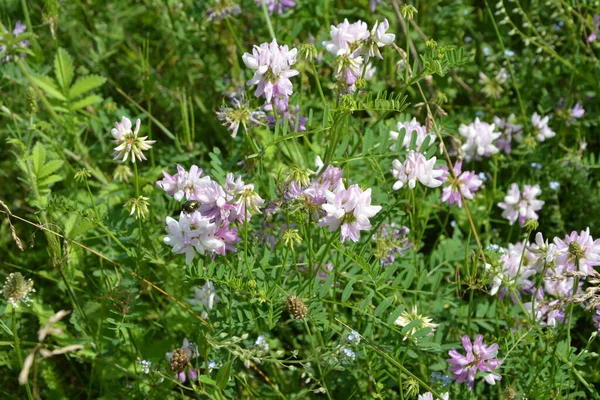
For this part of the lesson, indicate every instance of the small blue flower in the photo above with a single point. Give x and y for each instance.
(509, 53)
(348, 355)
(482, 176)
(536, 165)
(554, 185)
(353, 337)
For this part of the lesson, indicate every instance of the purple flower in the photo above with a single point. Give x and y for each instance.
(479, 357)
(184, 184)
(221, 10)
(391, 242)
(521, 206)
(480, 138)
(349, 209)
(510, 131)
(277, 5)
(271, 64)
(465, 184)
(20, 28)
(577, 111)
(597, 318)
(578, 248)
(594, 35)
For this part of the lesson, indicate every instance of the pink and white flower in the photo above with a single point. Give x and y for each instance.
(129, 145)
(416, 168)
(349, 209)
(346, 37)
(521, 206)
(184, 184)
(479, 357)
(463, 184)
(192, 233)
(412, 127)
(271, 64)
(480, 137)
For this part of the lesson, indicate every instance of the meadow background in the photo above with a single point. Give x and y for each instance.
(402, 203)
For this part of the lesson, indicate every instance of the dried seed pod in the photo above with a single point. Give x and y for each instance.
(296, 307)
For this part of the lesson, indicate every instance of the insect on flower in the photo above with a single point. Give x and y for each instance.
(190, 206)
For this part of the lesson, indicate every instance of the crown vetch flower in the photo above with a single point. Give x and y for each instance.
(416, 168)
(193, 232)
(127, 141)
(207, 296)
(480, 137)
(513, 272)
(521, 206)
(184, 184)
(540, 127)
(479, 357)
(346, 37)
(20, 28)
(277, 5)
(408, 317)
(349, 209)
(378, 38)
(271, 64)
(578, 252)
(411, 128)
(239, 114)
(510, 131)
(465, 183)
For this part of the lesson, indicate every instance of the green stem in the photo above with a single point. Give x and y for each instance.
(267, 19)
(18, 350)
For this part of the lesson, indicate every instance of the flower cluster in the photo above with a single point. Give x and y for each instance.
(211, 227)
(510, 131)
(207, 296)
(411, 128)
(408, 317)
(480, 137)
(416, 167)
(272, 69)
(16, 289)
(391, 242)
(541, 129)
(239, 114)
(277, 5)
(20, 29)
(461, 184)
(561, 262)
(221, 10)
(271, 64)
(479, 357)
(521, 206)
(349, 209)
(129, 145)
(492, 87)
(353, 45)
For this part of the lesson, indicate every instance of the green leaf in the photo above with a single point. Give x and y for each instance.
(395, 314)
(38, 157)
(348, 290)
(63, 69)
(383, 306)
(207, 380)
(86, 101)
(49, 180)
(50, 167)
(85, 84)
(47, 85)
(223, 375)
